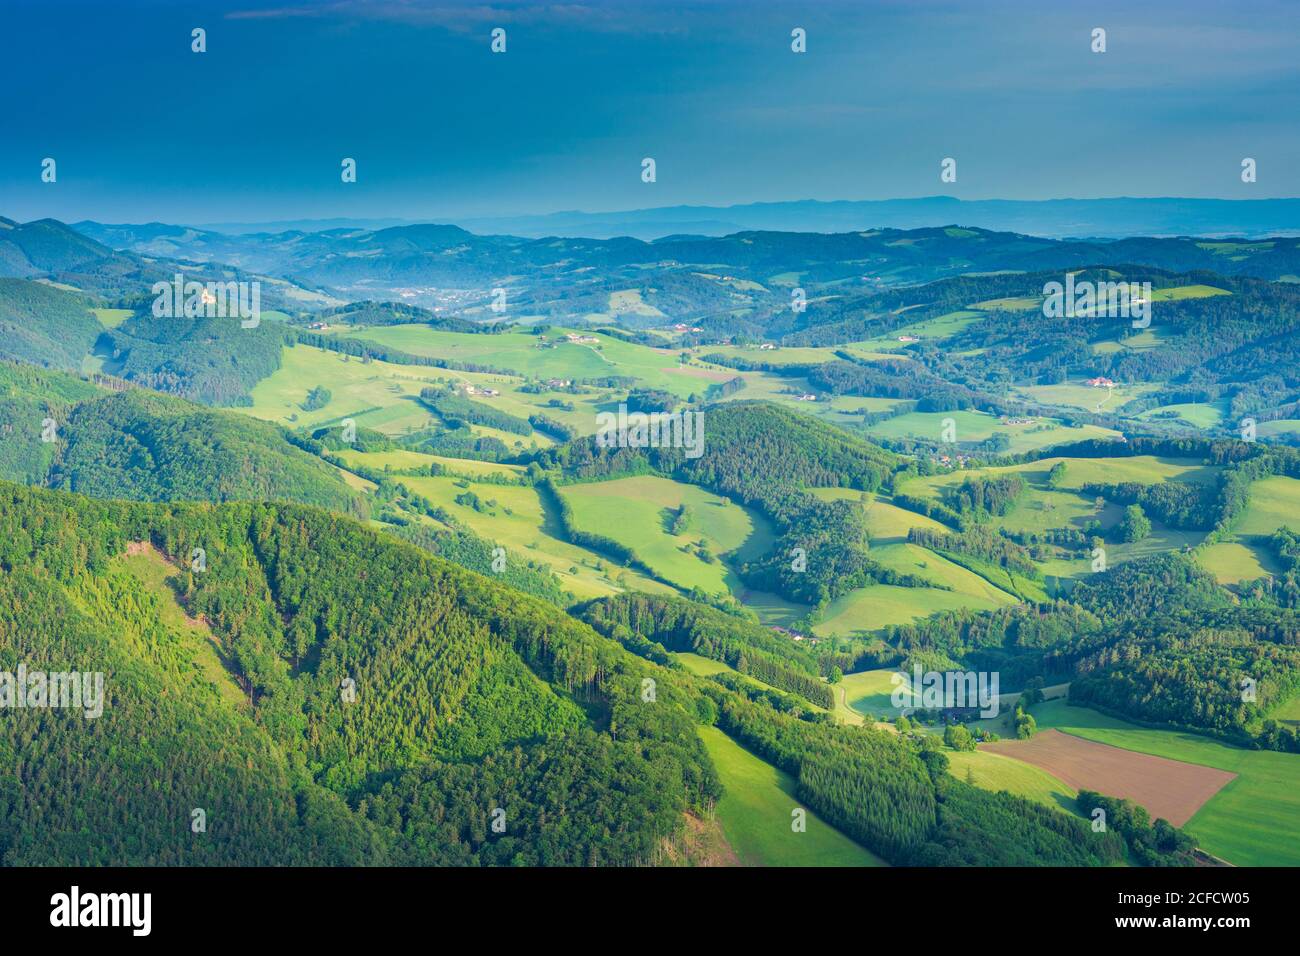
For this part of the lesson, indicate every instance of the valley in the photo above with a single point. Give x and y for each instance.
(921, 468)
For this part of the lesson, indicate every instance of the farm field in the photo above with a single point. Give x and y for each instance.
(1244, 555)
(1253, 821)
(886, 523)
(378, 395)
(1086, 397)
(755, 813)
(519, 523)
(634, 512)
(1274, 502)
(1281, 428)
(994, 771)
(878, 605)
(1044, 508)
(1288, 713)
(383, 396)
(781, 355)
(979, 426)
(937, 328)
(401, 459)
(772, 609)
(112, 318)
(1232, 562)
(852, 406)
(924, 563)
(1171, 789)
(1198, 415)
(871, 692)
(702, 666)
(518, 352)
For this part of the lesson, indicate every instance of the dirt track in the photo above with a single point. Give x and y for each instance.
(1167, 788)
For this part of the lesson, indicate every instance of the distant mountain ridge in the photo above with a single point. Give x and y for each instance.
(1051, 218)
(1109, 218)
(449, 268)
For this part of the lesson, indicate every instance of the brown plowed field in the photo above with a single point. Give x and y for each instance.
(1167, 788)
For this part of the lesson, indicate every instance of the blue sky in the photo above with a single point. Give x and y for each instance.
(255, 129)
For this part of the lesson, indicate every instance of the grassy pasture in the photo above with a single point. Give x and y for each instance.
(1244, 555)
(973, 426)
(755, 813)
(378, 395)
(1232, 562)
(632, 511)
(519, 523)
(702, 666)
(878, 605)
(112, 318)
(782, 355)
(383, 396)
(922, 562)
(1086, 397)
(518, 352)
(997, 772)
(940, 327)
(886, 523)
(401, 459)
(1042, 508)
(1196, 415)
(871, 692)
(1282, 428)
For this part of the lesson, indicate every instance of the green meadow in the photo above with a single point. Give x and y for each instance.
(1086, 397)
(871, 693)
(878, 605)
(112, 318)
(974, 426)
(1196, 415)
(886, 523)
(756, 814)
(515, 518)
(519, 352)
(636, 513)
(781, 355)
(939, 327)
(1244, 555)
(401, 459)
(998, 772)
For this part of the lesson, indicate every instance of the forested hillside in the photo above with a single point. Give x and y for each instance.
(215, 361)
(45, 326)
(316, 740)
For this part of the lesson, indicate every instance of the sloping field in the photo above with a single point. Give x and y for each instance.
(871, 692)
(756, 813)
(1170, 789)
(515, 517)
(877, 605)
(1244, 555)
(886, 523)
(978, 426)
(994, 771)
(636, 513)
